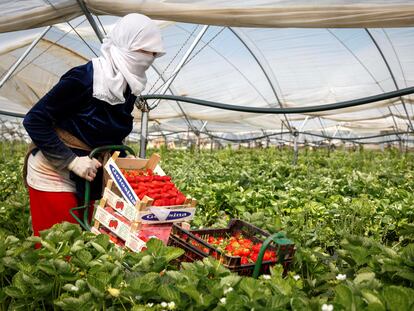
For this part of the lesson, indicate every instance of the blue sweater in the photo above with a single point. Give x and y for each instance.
(69, 105)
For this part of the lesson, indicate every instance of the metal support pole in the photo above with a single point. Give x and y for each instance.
(184, 59)
(23, 56)
(91, 20)
(295, 147)
(177, 70)
(267, 138)
(263, 64)
(392, 76)
(143, 106)
(302, 126)
(203, 126)
(165, 140)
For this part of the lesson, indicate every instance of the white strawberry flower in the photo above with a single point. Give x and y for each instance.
(267, 276)
(164, 304)
(341, 277)
(296, 277)
(171, 305)
(228, 290)
(223, 300)
(326, 307)
(73, 288)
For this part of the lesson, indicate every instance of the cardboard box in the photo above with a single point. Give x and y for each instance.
(149, 214)
(133, 242)
(124, 200)
(112, 222)
(114, 165)
(166, 214)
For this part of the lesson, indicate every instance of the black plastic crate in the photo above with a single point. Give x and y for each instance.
(196, 248)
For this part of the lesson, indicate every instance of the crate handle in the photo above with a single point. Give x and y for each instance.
(85, 222)
(278, 238)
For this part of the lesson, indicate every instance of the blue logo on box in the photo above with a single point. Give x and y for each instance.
(123, 184)
(171, 216)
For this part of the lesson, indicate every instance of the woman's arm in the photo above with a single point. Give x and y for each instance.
(63, 100)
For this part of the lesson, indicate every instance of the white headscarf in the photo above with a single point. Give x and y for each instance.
(120, 64)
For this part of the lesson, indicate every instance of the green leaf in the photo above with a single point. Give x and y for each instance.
(249, 286)
(83, 302)
(47, 267)
(62, 266)
(172, 253)
(77, 246)
(373, 300)
(10, 262)
(408, 275)
(96, 287)
(103, 240)
(230, 280)
(84, 256)
(49, 246)
(345, 297)
(396, 298)
(154, 246)
(364, 277)
(168, 293)
(43, 288)
(299, 304)
(192, 292)
(19, 282)
(175, 275)
(14, 292)
(98, 247)
(146, 283)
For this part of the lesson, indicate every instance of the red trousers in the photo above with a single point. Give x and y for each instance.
(49, 208)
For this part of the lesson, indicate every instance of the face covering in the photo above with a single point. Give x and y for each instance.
(121, 64)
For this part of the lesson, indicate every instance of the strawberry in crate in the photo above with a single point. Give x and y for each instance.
(236, 245)
(160, 188)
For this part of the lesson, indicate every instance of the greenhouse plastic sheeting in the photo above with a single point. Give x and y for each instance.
(25, 14)
(256, 67)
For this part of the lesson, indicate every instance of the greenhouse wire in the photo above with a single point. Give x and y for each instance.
(369, 73)
(253, 51)
(161, 75)
(304, 143)
(8, 73)
(391, 74)
(177, 69)
(49, 47)
(78, 34)
(398, 60)
(189, 60)
(251, 48)
(352, 139)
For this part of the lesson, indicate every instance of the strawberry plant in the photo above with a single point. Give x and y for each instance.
(349, 214)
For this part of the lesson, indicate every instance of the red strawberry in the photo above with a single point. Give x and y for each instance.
(267, 256)
(244, 260)
(256, 247)
(246, 252)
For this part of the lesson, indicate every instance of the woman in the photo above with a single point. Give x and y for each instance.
(89, 107)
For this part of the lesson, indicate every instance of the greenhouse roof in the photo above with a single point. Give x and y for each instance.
(266, 54)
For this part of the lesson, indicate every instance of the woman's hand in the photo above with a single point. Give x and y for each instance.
(85, 167)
